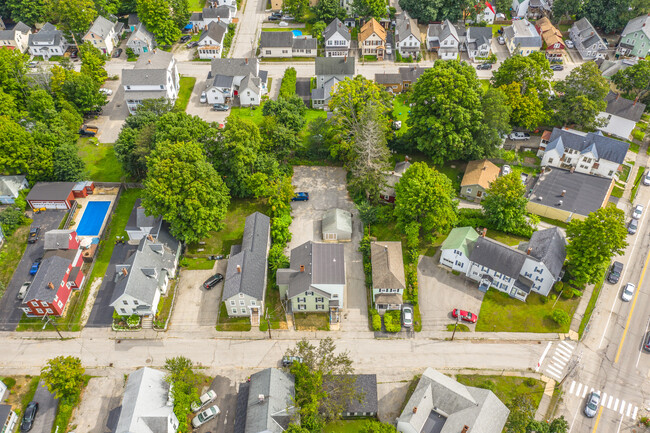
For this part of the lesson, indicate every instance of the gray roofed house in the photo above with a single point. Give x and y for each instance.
(132, 22)
(47, 42)
(104, 34)
(392, 178)
(245, 279)
(59, 239)
(154, 76)
(16, 37)
(8, 418)
(337, 225)
(336, 37)
(587, 41)
(334, 66)
(497, 256)
(10, 187)
(365, 386)
(51, 273)
(407, 35)
(147, 404)
(215, 30)
(609, 67)
(440, 404)
(478, 42)
(446, 39)
(211, 40)
(139, 224)
(226, 76)
(329, 72)
(522, 38)
(270, 406)
(336, 26)
(621, 115)
(388, 279)
(141, 40)
(50, 191)
(548, 246)
(285, 44)
(276, 40)
(219, 13)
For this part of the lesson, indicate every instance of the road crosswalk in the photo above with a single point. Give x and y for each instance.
(560, 358)
(607, 401)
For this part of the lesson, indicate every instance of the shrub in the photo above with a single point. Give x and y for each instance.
(11, 218)
(561, 317)
(10, 382)
(558, 286)
(530, 382)
(638, 134)
(288, 85)
(376, 321)
(277, 259)
(392, 321)
(488, 384)
(567, 293)
(133, 321)
(553, 297)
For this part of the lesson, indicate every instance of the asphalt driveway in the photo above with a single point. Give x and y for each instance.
(9, 312)
(302, 89)
(196, 306)
(113, 116)
(226, 401)
(47, 406)
(99, 409)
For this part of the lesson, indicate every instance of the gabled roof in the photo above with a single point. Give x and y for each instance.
(497, 256)
(10, 34)
(323, 264)
(222, 11)
(50, 191)
(216, 31)
(607, 148)
(387, 265)
(337, 221)
(251, 83)
(371, 27)
(406, 26)
(276, 40)
(48, 34)
(139, 219)
(57, 239)
(524, 33)
(52, 270)
(411, 73)
(365, 385)
(479, 35)
(549, 247)
(550, 33)
(150, 69)
(621, 107)
(133, 20)
(270, 403)
(443, 30)
(141, 33)
(101, 27)
(639, 23)
(335, 66)
(234, 67)
(586, 33)
(10, 185)
(335, 27)
(481, 173)
(305, 43)
(460, 238)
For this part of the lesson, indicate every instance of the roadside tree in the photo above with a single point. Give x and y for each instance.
(157, 15)
(635, 80)
(63, 376)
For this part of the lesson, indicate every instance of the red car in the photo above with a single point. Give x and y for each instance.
(464, 315)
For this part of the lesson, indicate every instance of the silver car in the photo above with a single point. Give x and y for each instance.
(646, 178)
(205, 416)
(407, 316)
(591, 408)
(203, 400)
(628, 292)
(637, 212)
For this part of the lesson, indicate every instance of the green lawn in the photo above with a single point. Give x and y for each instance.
(11, 253)
(505, 238)
(185, 92)
(196, 5)
(501, 313)
(197, 263)
(506, 387)
(65, 408)
(273, 309)
(625, 173)
(617, 192)
(369, 58)
(100, 160)
(344, 426)
(252, 113)
(591, 305)
(460, 328)
(226, 323)
(401, 112)
(634, 147)
(311, 321)
(557, 223)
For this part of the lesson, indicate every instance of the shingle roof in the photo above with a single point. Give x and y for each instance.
(101, 27)
(481, 172)
(387, 265)
(336, 26)
(48, 34)
(365, 386)
(276, 40)
(5, 411)
(270, 401)
(619, 106)
(549, 247)
(150, 69)
(371, 27)
(406, 26)
(52, 270)
(479, 35)
(304, 43)
(50, 191)
(140, 33)
(10, 185)
(411, 73)
(324, 264)
(524, 33)
(607, 148)
(234, 67)
(460, 238)
(57, 239)
(222, 11)
(550, 33)
(250, 82)
(216, 30)
(586, 33)
(443, 30)
(497, 256)
(335, 66)
(10, 34)
(138, 219)
(639, 23)
(337, 221)
(21, 27)
(386, 78)
(133, 20)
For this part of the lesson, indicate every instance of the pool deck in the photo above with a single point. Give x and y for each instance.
(94, 197)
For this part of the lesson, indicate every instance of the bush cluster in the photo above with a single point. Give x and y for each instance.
(392, 321)
(288, 85)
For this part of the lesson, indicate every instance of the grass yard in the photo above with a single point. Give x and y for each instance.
(390, 232)
(311, 321)
(617, 192)
(369, 58)
(165, 306)
(11, 253)
(221, 241)
(637, 182)
(226, 323)
(625, 173)
(196, 5)
(273, 309)
(21, 391)
(254, 114)
(501, 313)
(590, 307)
(506, 387)
(100, 160)
(634, 147)
(197, 263)
(185, 92)
(460, 328)
(556, 223)
(505, 238)
(345, 426)
(401, 112)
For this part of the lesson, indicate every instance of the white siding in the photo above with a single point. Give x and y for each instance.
(617, 126)
(455, 260)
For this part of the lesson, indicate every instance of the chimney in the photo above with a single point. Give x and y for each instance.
(484, 232)
(340, 24)
(345, 58)
(635, 101)
(572, 169)
(563, 192)
(618, 95)
(529, 250)
(149, 61)
(465, 429)
(560, 203)
(302, 268)
(150, 238)
(260, 398)
(415, 409)
(125, 272)
(50, 285)
(406, 158)
(239, 269)
(246, 60)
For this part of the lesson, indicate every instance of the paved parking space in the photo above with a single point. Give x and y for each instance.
(204, 111)
(47, 406)
(113, 114)
(226, 401)
(99, 409)
(9, 312)
(440, 291)
(194, 305)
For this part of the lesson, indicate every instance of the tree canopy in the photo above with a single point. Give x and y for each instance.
(63, 376)
(634, 80)
(74, 16)
(161, 19)
(437, 10)
(369, 8)
(609, 15)
(581, 97)
(505, 203)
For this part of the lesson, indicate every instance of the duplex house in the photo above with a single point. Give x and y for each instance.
(329, 72)
(635, 39)
(211, 40)
(201, 20)
(440, 404)
(445, 39)
(236, 78)
(552, 37)
(16, 38)
(147, 404)
(47, 42)
(104, 34)
(141, 40)
(10, 187)
(407, 36)
(388, 280)
(144, 276)
(587, 41)
(522, 38)
(337, 39)
(285, 44)
(154, 76)
(478, 42)
(315, 279)
(621, 115)
(270, 404)
(140, 225)
(245, 284)
(372, 39)
(585, 152)
(477, 179)
(402, 80)
(58, 274)
(392, 177)
(456, 248)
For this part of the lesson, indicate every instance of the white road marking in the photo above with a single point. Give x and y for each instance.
(619, 424)
(567, 344)
(636, 409)
(609, 403)
(616, 405)
(629, 409)
(573, 385)
(559, 362)
(539, 363)
(578, 390)
(574, 419)
(602, 400)
(553, 373)
(622, 407)
(638, 358)
(563, 353)
(584, 392)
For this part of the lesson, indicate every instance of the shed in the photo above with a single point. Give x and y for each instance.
(83, 189)
(51, 195)
(337, 225)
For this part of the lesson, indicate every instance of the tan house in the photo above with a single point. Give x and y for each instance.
(388, 280)
(477, 179)
(372, 39)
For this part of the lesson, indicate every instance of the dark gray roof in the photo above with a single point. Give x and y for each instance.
(584, 193)
(411, 73)
(51, 191)
(619, 106)
(335, 66)
(524, 34)
(250, 82)
(549, 247)
(365, 386)
(387, 265)
(150, 69)
(276, 40)
(443, 30)
(497, 256)
(270, 401)
(216, 30)
(222, 11)
(10, 34)
(48, 34)
(324, 264)
(101, 26)
(131, 95)
(57, 239)
(336, 26)
(196, 16)
(305, 43)
(606, 148)
(246, 271)
(586, 34)
(479, 35)
(133, 19)
(140, 33)
(5, 411)
(385, 78)
(223, 81)
(406, 26)
(52, 270)
(21, 27)
(138, 219)
(234, 67)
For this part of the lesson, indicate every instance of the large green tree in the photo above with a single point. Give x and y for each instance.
(13, 74)
(74, 16)
(634, 80)
(63, 376)
(558, 425)
(296, 8)
(609, 15)
(370, 8)
(532, 72)
(522, 411)
(158, 16)
(180, 12)
(426, 197)
(15, 152)
(526, 109)
(67, 164)
(505, 202)
(28, 11)
(327, 10)
(83, 91)
(92, 62)
(581, 96)
(184, 388)
(437, 10)
(593, 242)
(183, 188)
(562, 8)
(496, 111)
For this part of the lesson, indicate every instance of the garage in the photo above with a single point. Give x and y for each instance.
(51, 195)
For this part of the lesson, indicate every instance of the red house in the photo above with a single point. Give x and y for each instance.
(552, 37)
(83, 189)
(59, 273)
(51, 195)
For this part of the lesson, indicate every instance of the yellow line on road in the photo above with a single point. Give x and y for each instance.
(629, 317)
(600, 412)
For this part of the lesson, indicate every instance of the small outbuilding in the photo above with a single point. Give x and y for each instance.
(51, 195)
(10, 187)
(337, 226)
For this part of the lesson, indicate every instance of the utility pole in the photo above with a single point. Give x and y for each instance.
(455, 326)
(268, 323)
(50, 322)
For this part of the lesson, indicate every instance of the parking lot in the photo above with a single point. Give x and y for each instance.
(440, 291)
(226, 401)
(204, 111)
(9, 312)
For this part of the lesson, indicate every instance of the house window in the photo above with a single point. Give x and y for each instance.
(241, 295)
(320, 299)
(302, 307)
(243, 310)
(302, 299)
(60, 304)
(125, 302)
(611, 172)
(234, 311)
(268, 52)
(242, 302)
(123, 311)
(469, 191)
(309, 293)
(320, 307)
(39, 311)
(550, 160)
(49, 311)
(232, 303)
(253, 302)
(135, 302)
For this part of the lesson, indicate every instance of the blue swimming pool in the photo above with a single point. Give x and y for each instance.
(93, 218)
(296, 33)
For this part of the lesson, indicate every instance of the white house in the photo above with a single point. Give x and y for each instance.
(478, 42)
(201, 20)
(104, 34)
(211, 40)
(621, 115)
(587, 41)
(487, 15)
(47, 42)
(454, 251)
(445, 39)
(337, 39)
(407, 36)
(140, 225)
(285, 44)
(230, 78)
(16, 38)
(522, 38)
(232, 4)
(155, 76)
(589, 153)
(10, 187)
(8, 418)
(141, 40)
(520, 8)
(329, 72)
(388, 279)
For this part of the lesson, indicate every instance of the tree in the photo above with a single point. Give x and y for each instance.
(13, 74)
(184, 387)
(369, 8)
(377, 427)
(562, 8)
(558, 425)
(317, 30)
(295, 428)
(287, 111)
(183, 188)
(296, 8)
(527, 110)
(74, 16)
(522, 412)
(437, 10)
(505, 203)
(92, 62)
(446, 114)
(609, 15)
(157, 16)
(496, 111)
(531, 72)
(63, 376)
(67, 164)
(634, 79)
(29, 12)
(180, 12)
(15, 152)
(82, 91)
(40, 106)
(425, 196)
(593, 242)
(561, 317)
(327, 10)
(582, 96)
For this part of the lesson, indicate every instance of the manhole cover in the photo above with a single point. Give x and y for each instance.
(149, 360)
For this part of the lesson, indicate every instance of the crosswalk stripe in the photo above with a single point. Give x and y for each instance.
(635, 411)
(558, 355)
(573, 385)
(602, 401)
(563, 353)
(629, 409)
(554, 369)
(567, 344)
(578, 390)
(615, 405)
(609, 403)
(622, 407)
(560, 362)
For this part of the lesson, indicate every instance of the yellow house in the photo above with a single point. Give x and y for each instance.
(372, 39)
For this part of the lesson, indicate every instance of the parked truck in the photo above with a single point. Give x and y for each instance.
(88, 131)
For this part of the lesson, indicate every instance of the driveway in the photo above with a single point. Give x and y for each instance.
(302, 89)
(440, 291)
(113, 115)
(196, 306)
(226, 401)
(9, 312)
(99, 410)
(204, 111)
(47, 406)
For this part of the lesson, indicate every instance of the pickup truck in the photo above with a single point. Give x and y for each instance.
(88, 131)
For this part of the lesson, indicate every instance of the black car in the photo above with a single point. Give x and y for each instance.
(192, 44)
(212, 281)
(484, 66)
(274, 18)
(30, 414)
(220, 107)
(117, 53)
(288, 361)
(615, 272)
(33, 235)
(185, 38)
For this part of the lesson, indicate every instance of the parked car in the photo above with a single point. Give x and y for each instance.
(463, 315)
(501, 41)
(632, 226)
(569, 43)
(117, 53)
(637, 212)
(203, 400)
(407, 316)
(32, 65)
(23, 290)
(283, 24)
(287, 18)
(185, 38)
(205, 416)
(505, 170)
(646, 345)
(192, 44)
(34, 232)
(107, 92)
(519, 136)
(592, 404)
(615, 272)
(628, 292)
(300, 196)
(204, 98)
(389, 49)
(35, 266)
(276, 14)
(92, 113)
(28, 418)
(274, 18)
(212, 281)
(220, 107)
(484, 66)
(88, 131)
(557, 68)
(646, 178)
(288, 361)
